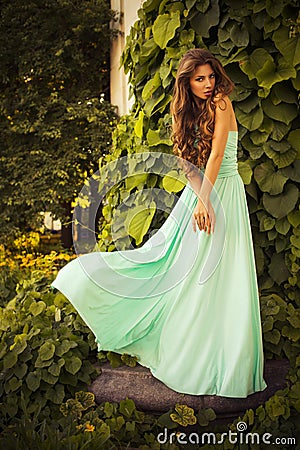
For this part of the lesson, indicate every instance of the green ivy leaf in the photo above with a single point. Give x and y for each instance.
(284, 112)
(127, 407)
(46, 351)
(292, 171)
(56, 395)
(138, 221)
(154, 138)
(55, 367)
(184, 415)
(239, 35)
(138, 128)
(33, 380)
(48, 377)
(164, 28)
(280, 159)
(37, 308)
(73, 365)
(273, 336)
(151, 86)
(64, 346)
(250, 121)
(255, 151)
(86, 399)
(245, 170)
(288, 47)
(281, 205)
(202, 22)
(282, 226)
(268, 323)
(292, 333)
(172, 182)
(268, 180)
(294, 140)
(205, 416)
(294, 218)
(268, 224)
(279, 130)
(10, 360)
(277, 268)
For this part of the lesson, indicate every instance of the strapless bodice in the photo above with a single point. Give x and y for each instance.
(229, 166)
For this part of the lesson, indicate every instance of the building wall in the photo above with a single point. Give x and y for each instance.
(119, 86)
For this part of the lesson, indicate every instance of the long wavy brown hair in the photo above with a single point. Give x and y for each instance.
(193, 118)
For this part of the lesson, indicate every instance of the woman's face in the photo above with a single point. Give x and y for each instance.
(202, 81)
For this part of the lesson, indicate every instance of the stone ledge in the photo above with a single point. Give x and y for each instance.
(150, 394)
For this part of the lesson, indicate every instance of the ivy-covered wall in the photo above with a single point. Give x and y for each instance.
(259, 44)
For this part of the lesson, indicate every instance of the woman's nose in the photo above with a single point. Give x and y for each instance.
(208, 82)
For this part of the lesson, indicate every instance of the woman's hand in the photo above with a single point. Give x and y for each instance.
(204, 217)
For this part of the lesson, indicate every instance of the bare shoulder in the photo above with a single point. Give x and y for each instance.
(224, 113)
(222, 103)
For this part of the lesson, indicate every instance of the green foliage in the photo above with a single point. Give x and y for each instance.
(184, 415)
(45, 350)
(259, 46)
(55, 118)
(258, 42)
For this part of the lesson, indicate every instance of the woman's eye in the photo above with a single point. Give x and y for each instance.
(212, 75)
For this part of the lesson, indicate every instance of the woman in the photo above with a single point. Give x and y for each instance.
(186, 303)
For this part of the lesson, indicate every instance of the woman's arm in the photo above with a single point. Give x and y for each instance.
(224, 122)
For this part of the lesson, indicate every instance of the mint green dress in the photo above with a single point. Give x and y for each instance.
(186, 303)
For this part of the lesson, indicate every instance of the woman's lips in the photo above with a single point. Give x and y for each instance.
(208, 93)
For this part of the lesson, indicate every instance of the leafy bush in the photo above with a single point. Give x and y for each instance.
(46, 349)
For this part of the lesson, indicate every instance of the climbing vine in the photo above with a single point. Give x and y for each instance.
(258, 42)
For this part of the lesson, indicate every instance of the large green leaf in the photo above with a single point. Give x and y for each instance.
(278, 269)
(255, 151)
(292, 171)
(148, 50)
(274, 9)
(268, 180)
(202, 22)
(250, 121)
(245, 170)
(151, 86)
(284, 112)
(288, 46)
(283, 92)
(261, 65)
(239, 35)
(138, 128)
(294, 140)
(279, 130)
(164, 28)
(184, 415)
(46, 351)
(249, 103)
(33, 380)
(73, 365)
(280, 205)
(138, 221)
(172, 182)
(280, 159)
(154, 138)
(152, 104)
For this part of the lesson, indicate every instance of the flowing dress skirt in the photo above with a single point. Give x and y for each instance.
(186, 303)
